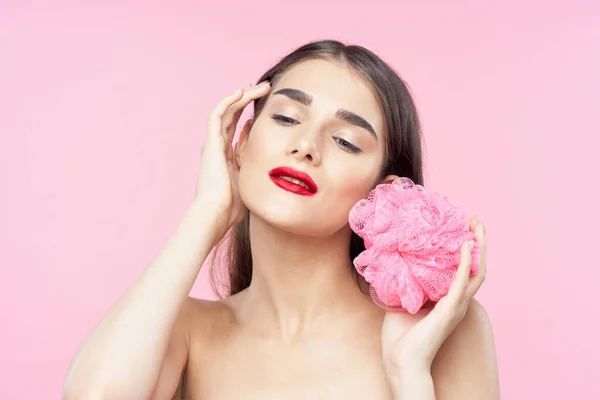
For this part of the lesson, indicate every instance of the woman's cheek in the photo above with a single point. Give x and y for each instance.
(356, 186)
(261, 143)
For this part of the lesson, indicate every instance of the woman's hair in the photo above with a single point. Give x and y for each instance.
(403, 146)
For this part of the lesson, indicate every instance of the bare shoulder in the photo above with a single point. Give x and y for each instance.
(204, 316)
(465, 367)
(477, 315)
(474, 330)
(212, 307)
(195, 321)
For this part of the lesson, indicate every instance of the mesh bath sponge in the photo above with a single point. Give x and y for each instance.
(413, 239)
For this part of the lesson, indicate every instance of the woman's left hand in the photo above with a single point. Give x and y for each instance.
(410, 342)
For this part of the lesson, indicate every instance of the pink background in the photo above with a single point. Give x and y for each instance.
(102, 113)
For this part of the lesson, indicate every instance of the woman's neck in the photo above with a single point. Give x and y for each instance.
(300, 283)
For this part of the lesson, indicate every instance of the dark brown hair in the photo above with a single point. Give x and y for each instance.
(403, 146)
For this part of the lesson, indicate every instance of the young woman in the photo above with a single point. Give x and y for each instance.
(330, 123)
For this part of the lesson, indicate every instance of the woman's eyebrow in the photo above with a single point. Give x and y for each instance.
(356, 120)
(348, 116)
(297, 95)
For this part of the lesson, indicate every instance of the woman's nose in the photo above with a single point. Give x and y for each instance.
(306, 148)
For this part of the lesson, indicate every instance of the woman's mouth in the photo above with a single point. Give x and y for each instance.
(296, 181)
(293, 181)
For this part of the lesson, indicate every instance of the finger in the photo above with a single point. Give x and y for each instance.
(477, 280)
(216, 115)
(226, 120)
(233, 113)
(461, 279)
(235, 110)
(473, 223)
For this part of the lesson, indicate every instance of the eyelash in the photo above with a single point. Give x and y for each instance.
(287, 121)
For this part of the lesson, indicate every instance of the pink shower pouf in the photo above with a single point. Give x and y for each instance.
(413, 239)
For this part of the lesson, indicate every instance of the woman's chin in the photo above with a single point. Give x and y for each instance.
(296, 223)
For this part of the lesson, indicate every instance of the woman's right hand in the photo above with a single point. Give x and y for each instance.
(217, 186)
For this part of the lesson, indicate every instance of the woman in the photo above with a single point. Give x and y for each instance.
(330, 123)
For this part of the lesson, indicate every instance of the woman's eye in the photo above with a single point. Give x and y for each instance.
(284, 120)
(344, 144)
(347, 146)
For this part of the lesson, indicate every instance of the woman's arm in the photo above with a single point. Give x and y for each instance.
(413, 384)
(140, 347)
(123, 356)
(450, 345)
(463, 369)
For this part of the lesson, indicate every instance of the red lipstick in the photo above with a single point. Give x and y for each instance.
(293, 181)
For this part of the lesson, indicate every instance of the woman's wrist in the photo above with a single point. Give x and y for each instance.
(214, 223)
(411, 383)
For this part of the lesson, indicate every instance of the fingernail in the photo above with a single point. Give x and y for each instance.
(263, 83)
(237, 91)
(471, 244)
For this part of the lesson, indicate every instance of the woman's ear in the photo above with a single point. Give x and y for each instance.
(389, 179)
(241, 143)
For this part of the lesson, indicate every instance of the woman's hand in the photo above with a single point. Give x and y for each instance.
(217, 187)
(409, 342)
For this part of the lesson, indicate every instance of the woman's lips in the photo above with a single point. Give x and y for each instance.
(293, 181)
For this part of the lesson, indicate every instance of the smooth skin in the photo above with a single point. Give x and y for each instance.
(303, 329)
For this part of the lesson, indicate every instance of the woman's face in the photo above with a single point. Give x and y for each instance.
(321, 122)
